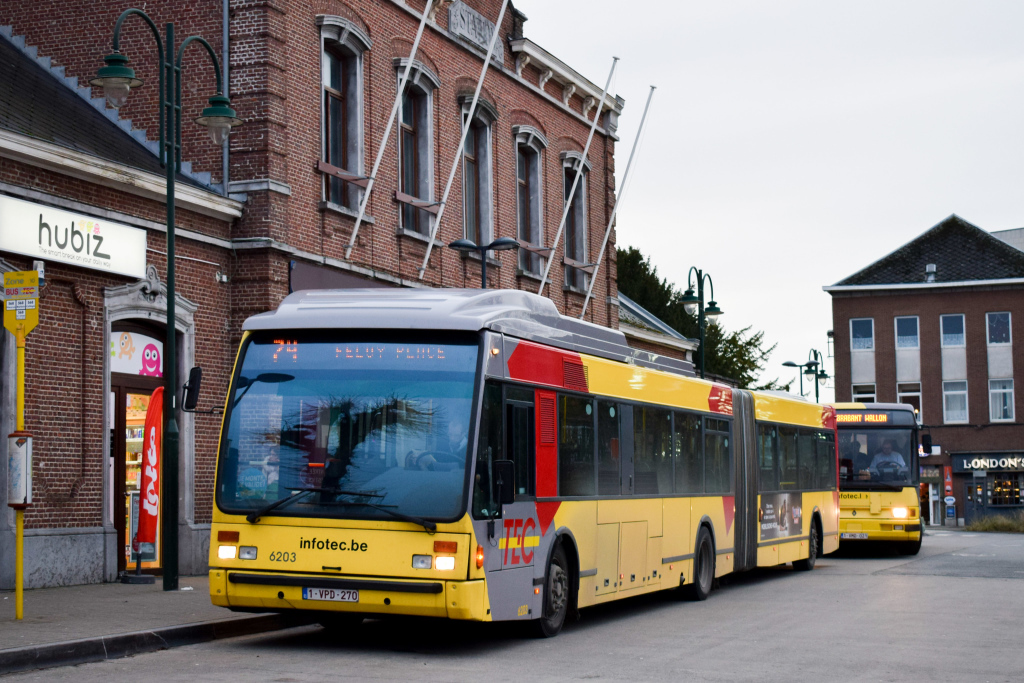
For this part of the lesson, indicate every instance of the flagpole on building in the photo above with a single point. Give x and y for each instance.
(579, 174)
(462, 140)
(387, 129)
(615, 209)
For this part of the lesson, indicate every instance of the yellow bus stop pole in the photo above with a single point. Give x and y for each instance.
(19, 514)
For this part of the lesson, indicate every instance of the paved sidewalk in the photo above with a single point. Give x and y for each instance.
(77, 624)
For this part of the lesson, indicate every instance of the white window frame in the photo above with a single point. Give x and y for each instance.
(858, 397)
(963, 326)
(571, 162)
(853, 320)
(1009, 328)
(427, 83)
(896, 334)
(900, 395)
(484, 118)
(967, 405)
(991, 392)
(350, 38)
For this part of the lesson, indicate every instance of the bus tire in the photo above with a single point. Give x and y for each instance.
(340, 623)
(813, 548)
(556, 596)
(911, 547)
(703, 567)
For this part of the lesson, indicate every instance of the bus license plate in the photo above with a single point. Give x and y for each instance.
(330, 594)
(854, 536)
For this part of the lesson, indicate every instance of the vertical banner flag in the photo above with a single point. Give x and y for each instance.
(149, 489)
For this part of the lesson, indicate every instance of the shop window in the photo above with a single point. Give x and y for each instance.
(608, 451)
(907, 333)
(717, 456)
(862, 334)
(1000, 400)
(863, 393)
(1005, 489)
(575, 446)
(954, 402)
(689, 456)
(998, 328)
(652, 444)
(953, 330)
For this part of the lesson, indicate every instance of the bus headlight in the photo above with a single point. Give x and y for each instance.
(421, 561)
(247, 552)
(899, 513)
(444, 563)
(227, 552)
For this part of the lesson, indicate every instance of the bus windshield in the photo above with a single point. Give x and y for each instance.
(361, 429)
(876, 458)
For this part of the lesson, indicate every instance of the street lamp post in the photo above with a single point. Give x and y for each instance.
(695, 304)
(500, 244)
(117, 80)
(812, 368)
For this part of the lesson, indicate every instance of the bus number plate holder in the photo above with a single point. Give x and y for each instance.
(330, 594)
(854, 536)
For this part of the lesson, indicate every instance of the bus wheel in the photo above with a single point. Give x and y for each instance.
(911, 547)
(556, 596)
(813, 547)
(340, 622)
(703, 567)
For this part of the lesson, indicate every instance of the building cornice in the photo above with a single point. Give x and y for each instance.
(922, 285)
(656, 337)
(564, 74)
(92, 169)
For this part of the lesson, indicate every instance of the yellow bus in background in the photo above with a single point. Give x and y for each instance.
(878, 474)
(475, 455)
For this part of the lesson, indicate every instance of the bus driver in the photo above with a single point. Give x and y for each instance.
(887, 457)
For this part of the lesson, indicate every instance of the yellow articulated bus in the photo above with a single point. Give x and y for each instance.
(475, 455)
(878, 474)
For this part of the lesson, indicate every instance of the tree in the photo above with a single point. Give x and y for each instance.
(740, 356)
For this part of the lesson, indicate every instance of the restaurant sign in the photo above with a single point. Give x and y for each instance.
(49, 234)
(999, 462)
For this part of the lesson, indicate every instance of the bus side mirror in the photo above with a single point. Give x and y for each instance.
(926, 444)
(504, 481)
(191, 398)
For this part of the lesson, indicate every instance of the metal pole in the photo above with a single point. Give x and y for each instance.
(19, 513)
(702, 321)
(462, 144)
(483, 269)
(169, 500)
(387, 129)
(579, 174)
(800, 374)
(615, 209)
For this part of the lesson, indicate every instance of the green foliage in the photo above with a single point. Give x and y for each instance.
(739, 356)
(1012, 523)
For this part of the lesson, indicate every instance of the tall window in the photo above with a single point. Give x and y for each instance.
(906, 333)
(862, 334)
(344, 43)
(413, 171)
(953, 330)
(998, 328)
(1000, 400)
(864, 393)
(576, 228)
(530, 144)
(471, 159)
(954, 402)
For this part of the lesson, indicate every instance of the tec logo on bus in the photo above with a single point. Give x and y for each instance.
(518, 542)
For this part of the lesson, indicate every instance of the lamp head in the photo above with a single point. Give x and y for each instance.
(690, 302)
(712, 311)
(503, 243)
(219, 119)
(790, 364)
(116, 78)
(464, 245)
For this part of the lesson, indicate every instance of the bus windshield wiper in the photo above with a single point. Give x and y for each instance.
(425, 523)
(254, 516)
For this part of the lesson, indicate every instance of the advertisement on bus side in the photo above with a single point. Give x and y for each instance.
(780, 515)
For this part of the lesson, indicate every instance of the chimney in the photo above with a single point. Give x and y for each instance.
(929, 272)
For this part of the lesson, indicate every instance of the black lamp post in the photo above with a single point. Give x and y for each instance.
(812, 369)
(500, 244)
(695, 304)
(117, 79)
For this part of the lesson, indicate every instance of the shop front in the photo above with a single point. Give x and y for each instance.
(991, 482)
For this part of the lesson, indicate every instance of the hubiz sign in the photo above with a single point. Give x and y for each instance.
(50, 234)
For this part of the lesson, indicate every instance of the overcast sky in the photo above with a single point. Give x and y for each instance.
(791, 143)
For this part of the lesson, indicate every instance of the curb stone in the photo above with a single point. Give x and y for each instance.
(85, 650)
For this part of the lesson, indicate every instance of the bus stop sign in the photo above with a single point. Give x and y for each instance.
(21, 300)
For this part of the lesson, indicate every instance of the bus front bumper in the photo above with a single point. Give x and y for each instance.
(284, 592)
(878, 530)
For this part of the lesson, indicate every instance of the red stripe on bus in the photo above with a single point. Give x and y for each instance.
(547, 449)
(544, 365)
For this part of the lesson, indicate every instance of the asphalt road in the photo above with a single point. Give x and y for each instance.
(952, 613)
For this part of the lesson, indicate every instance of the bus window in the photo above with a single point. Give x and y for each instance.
(768, 456)
(575, 446)
(489, 450)
(688, 454)
(652, 439)
(805, 458)
(825, 460)
(520, 437)
(716, 456)
(608, 478)
(789, 479)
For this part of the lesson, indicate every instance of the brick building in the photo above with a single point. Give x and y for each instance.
(938, 324)
(271, 212)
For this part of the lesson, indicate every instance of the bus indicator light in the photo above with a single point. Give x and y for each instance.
(446, 547)
(227, 536)
(479, 557)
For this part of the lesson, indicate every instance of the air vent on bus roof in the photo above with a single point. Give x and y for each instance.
(573, 375)
(547, 419)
